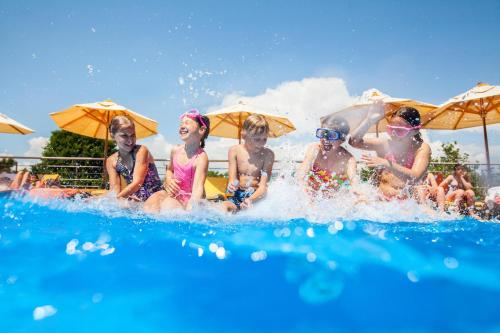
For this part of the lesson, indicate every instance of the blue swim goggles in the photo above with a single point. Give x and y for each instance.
(328, 134)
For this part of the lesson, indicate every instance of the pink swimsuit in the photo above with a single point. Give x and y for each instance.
(185, 175)
(408, 161)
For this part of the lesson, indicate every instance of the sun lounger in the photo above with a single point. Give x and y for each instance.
(215, 188)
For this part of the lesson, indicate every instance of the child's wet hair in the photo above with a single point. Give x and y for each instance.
(205, 123)
(256, 124)
(119, 122)
(412, 117)
(336, 123)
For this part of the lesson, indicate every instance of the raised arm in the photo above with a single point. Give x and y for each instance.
(358, 140)
(140, 171)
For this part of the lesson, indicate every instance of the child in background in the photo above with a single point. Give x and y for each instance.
(187, 169)
(460, 187)
(250, 165)
(328, 166)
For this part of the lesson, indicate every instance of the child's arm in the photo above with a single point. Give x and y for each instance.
(140, 171)
(358, 140)
(200, 175)
(261, 190)
(306, 164)
(432, 180)
(352, 171)
(170, 185)
(446, 181)
(232, 169)
(114, 177)
(467, 184)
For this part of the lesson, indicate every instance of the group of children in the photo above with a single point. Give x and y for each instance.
(400, 163)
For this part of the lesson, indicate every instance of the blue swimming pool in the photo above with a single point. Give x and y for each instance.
(78, 267)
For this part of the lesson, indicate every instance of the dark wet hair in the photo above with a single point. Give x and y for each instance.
(459, 166)
(207, 125)
(336, 123)
(412, 117)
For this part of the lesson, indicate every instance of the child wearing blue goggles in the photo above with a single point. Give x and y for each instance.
(329, 134)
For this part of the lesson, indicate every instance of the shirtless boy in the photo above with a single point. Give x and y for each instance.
(250, 165)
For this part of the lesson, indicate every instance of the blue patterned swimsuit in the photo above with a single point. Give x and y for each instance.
(152, 182)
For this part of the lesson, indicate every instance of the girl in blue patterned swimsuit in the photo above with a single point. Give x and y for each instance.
(133, 162)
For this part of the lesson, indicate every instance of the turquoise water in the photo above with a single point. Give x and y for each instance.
(76, 266)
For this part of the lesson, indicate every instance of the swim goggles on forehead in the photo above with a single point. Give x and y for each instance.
(400, 131)
(328, 134)
(194, 114)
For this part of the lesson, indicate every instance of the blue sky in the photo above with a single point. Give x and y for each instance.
(160, 58)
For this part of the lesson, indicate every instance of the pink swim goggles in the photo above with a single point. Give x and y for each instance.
(194, 114)
(401, 131)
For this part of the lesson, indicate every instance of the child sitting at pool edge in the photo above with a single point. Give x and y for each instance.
(250, 165)
(328, 166)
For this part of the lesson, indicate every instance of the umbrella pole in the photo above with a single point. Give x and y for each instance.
(104, 173)
(239, 128)
(485, 133)
(376, 129)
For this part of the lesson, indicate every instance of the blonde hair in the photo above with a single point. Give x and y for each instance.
(119, 122)
(256, 124)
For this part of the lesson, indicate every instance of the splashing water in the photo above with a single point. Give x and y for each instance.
(287, 265)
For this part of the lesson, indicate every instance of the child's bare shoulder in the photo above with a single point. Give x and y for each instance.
(268, 153)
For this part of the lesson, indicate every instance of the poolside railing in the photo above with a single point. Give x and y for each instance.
(86, 172)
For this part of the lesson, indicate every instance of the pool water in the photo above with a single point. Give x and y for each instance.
(73, 266)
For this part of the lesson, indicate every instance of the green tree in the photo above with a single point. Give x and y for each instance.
(6, 164)
(67, 144)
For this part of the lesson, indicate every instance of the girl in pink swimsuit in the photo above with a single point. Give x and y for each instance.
(188, 167)
(401, 160)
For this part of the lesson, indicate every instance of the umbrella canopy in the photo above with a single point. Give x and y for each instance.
(228, 122)
(93, 120)
(479, 106)
(355, 113)
(10, 126)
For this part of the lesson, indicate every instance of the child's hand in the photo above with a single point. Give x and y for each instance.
(133, 197)
(376, 112)
(172, 186)
(247, 203)
(232, 187)
(374, 161)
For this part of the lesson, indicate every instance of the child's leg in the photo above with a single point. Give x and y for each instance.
(470, 197)
(153, 204)
(440, 198)
(228, 206)
(16, 183)
(170, 203)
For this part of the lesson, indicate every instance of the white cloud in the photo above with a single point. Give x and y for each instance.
(304, 102)
(36, 146)
(158, 146)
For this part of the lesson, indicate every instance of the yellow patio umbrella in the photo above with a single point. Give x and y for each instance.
(93, 120)
(479, 106)
(356, 112)
(10, 126)
(228, 122)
